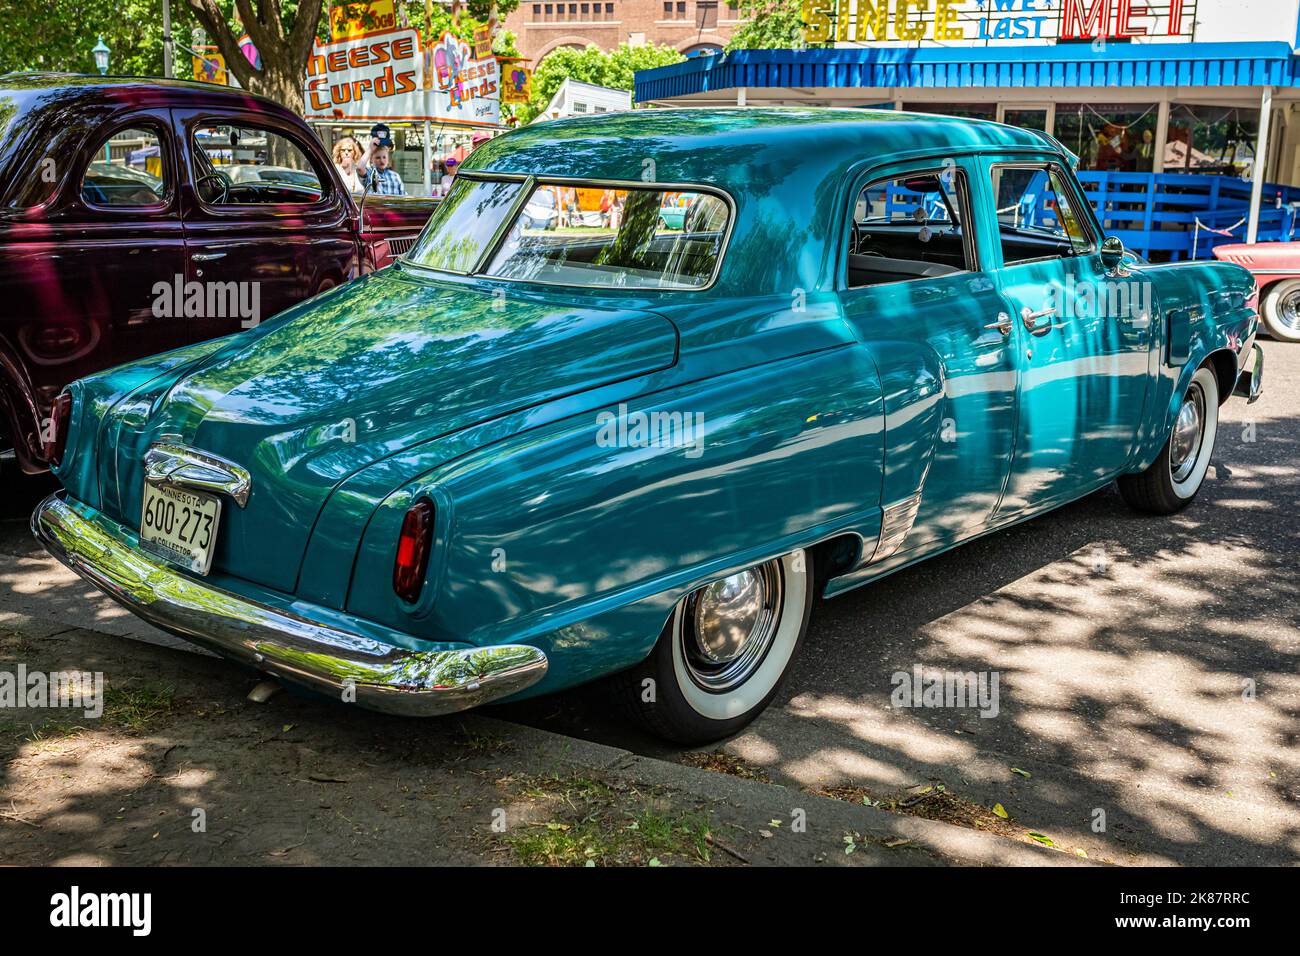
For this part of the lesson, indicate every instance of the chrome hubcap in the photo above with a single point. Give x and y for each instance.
(1288, 311)
(728, 626)
(1185, 445)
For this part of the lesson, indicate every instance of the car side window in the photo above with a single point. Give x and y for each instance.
(910, 227)
(237, 164)
(127, 170)
(1038, 216)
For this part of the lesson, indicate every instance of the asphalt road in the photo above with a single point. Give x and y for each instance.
(1148, 689)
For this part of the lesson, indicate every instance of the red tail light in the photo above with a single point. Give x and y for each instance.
(56, 434)
(413, 547)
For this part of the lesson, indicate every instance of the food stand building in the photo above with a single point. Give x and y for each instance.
(1167, 104)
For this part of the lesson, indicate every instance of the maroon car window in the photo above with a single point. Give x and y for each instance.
(241, 164)
(127, 169)
(38, 141)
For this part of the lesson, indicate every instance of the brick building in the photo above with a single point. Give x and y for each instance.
(691, 26)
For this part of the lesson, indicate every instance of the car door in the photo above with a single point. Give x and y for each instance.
(265, 224)
(112, 240)
(1084, 360)
(916, 289)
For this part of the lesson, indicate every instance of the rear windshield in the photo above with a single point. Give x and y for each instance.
(597, 236)
(40, 133)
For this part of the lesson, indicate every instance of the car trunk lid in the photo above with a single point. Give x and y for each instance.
(365, 372)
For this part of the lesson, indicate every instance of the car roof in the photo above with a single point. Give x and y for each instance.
(31, 89)
(735, 146)
(784, 169)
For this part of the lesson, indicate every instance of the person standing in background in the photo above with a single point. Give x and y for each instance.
(374, 166)
(345, 154)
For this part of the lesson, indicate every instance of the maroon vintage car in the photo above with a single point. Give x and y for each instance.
(140, 215)
(1276, 268)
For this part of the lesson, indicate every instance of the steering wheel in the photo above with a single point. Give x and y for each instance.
(222, 182)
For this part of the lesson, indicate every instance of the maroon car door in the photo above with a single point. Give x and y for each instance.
(266, 224)
(93, 267)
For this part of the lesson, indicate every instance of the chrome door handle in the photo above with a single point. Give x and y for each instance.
(1030, 318)
(207, 256)
(1003, 324)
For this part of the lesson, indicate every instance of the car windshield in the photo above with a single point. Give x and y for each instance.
(595, 236)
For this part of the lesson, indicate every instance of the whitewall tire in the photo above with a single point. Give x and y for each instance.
(1178, 472)
(1281, 310)
(723, 653)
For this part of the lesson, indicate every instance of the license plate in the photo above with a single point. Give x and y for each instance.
(180, 525)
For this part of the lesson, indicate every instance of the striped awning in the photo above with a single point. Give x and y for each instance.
(1060, 66)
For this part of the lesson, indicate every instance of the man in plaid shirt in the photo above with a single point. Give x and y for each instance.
(383, 179)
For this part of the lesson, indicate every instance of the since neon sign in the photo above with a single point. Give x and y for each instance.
(954, 21)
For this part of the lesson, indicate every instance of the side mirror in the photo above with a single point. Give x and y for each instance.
(1112, 253)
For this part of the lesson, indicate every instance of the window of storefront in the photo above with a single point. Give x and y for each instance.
(1211, 139)
(1114, 137)
(1029, 117)
(986, 111)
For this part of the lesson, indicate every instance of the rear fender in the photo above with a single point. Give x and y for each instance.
(578, 539)
(20, 410)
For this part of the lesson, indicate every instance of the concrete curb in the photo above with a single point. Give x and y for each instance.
(931, 842)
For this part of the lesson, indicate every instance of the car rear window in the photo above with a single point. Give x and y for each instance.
(38, 137)
(643, 237)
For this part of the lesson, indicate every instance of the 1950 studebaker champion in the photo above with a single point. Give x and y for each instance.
(520, 459)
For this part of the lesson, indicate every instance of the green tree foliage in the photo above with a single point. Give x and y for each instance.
(57, 35)
(770, 25)
(592, 65)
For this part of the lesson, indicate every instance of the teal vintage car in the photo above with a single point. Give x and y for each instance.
(519, 460)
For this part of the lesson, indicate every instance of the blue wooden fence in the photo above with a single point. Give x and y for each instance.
(1156, 213)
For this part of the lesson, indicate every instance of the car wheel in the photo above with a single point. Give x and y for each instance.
(1281, 310)
(721, 657)
(1176, 476)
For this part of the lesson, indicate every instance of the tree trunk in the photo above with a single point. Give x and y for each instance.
(284, 55)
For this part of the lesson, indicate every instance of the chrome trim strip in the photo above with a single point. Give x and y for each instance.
(171, 463)
(895, 524)
(1250, 382)
(503, 227)
(325, 659)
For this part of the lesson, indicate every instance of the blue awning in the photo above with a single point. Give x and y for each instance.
(1059, 66)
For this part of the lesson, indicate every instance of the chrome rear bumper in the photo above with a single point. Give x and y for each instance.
(329, 660)
(1250, 382)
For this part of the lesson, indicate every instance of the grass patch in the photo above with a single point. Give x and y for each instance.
(138, 709)
(482, 743)
(47, 731)
(593, 823)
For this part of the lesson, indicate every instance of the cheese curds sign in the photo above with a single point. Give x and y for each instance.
(993, 21)
(391, 75)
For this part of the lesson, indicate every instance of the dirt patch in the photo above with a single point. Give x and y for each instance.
(936, 802)
(719, 762)
(182, 769)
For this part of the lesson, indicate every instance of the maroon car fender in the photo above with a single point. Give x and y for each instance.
(19, 410)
